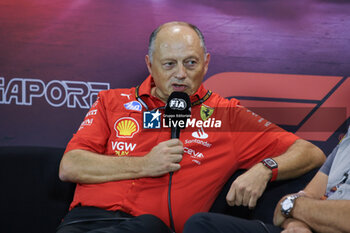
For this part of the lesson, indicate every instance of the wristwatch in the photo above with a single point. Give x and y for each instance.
(271, 164)
(287, 205)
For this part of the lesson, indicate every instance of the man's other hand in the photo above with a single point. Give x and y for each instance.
(249, 187)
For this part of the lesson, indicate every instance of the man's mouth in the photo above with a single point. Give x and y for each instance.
(179, 87)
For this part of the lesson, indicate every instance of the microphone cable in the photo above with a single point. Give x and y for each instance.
(169, 203)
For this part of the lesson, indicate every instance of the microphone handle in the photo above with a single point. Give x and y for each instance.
(175, 132)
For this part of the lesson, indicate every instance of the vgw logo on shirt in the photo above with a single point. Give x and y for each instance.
(122, 148)
(151, 119)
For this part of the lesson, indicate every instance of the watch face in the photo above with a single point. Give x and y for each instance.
(271, 163)
(287, 204)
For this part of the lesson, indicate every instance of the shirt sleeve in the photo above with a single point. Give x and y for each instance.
(255, 138)
(93, 132)
(326, 167)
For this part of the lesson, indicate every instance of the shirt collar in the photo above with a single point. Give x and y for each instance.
(146, 86)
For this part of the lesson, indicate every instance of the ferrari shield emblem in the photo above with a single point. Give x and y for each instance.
(206, 112)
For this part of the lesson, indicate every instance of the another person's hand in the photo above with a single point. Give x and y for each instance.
(295, 226)
(249, 187)
(163, 158)
(278, 218)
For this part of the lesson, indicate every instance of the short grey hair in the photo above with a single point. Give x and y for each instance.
(154, 34)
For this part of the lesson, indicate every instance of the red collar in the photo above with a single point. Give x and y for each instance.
(146, 86)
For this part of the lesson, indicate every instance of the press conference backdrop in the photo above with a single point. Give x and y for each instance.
(288, 61)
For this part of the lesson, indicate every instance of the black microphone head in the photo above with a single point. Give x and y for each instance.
(178, 108)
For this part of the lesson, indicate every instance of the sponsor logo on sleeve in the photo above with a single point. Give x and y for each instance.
(91, 113)
(95, 103)
(126, 127)
(86, 122)
(260, 119)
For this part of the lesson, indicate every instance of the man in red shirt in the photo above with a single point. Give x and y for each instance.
(122, 168)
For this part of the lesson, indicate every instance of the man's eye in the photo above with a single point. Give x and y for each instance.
(191, 63)
(168, 64)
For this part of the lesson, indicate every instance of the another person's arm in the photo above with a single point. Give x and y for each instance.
(82, 166)
(315, 189)
(310, 212)
(319, 215)
(323, 215)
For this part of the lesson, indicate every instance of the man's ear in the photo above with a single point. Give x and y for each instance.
(149, 64)
(207, 60)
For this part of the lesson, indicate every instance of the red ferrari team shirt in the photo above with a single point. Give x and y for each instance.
(221, 137)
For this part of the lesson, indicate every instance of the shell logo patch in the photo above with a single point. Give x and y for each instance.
(126, 127)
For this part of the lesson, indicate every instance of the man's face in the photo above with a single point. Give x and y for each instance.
(179, 62)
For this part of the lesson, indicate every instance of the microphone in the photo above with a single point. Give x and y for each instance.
(177, 112)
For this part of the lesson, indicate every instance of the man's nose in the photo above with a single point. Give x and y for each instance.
(180, 72)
